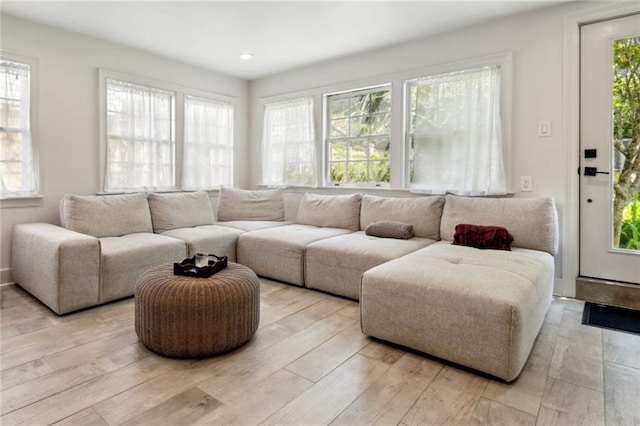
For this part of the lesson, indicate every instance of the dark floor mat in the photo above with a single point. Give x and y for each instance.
(611, 317)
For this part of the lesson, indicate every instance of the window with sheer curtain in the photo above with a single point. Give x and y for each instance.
(208, 143)
(18, 174)
(140, 138)
(288, 143)
(454, 133)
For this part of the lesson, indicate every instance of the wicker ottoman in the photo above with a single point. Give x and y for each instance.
(190, 317)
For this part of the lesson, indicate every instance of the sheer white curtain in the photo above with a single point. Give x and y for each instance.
(140, 138)
(208, 144)
(457, 140)
(288, 143)
(17, 162)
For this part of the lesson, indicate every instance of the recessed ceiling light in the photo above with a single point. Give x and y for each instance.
(246, 56)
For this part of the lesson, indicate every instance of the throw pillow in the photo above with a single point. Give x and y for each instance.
(331, 211)
(240, 204)
(390, 229)
(482, 237)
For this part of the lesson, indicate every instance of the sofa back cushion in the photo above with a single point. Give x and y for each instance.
(422, 212)
(107, 215)
(240, 204)
(533, 222)
(180, 210)
(331, 211)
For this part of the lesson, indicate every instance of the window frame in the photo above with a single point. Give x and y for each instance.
(31, 199)
(326, 139)
(180, 93)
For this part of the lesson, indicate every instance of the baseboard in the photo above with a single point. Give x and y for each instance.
(608, 292)
(6, 277)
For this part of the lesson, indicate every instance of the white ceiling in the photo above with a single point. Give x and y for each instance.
(282, 35)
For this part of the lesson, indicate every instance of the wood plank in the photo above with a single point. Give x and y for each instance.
(382, 351)
(450, 398)
(622, 394)
(185, 408)
(388, 399)
(492, 413)
(78, 398)
(318, 362)
(568, 404)
(526, 392)
(621, 348)
(87, 417)
(261, 401)
(326, 399)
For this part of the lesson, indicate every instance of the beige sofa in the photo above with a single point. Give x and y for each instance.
(479, 308)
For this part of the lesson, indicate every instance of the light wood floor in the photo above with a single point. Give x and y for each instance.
(307, 364)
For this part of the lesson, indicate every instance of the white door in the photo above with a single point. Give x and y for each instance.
(605, 118)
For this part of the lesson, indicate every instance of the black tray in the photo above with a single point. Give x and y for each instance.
(188, 266)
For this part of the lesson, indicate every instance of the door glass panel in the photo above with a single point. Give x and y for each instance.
(626, 143)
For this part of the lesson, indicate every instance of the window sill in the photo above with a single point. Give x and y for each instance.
(20, 202)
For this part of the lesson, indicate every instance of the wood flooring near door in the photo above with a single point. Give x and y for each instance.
(307, 364)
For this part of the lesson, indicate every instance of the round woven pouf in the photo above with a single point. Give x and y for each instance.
(190, 317)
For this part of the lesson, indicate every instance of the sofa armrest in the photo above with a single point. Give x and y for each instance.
(58, 266)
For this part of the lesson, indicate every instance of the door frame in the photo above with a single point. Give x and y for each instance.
(570, 215)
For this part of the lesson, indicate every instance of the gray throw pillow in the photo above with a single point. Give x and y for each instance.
(390, 229)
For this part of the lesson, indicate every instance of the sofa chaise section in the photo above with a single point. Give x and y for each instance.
(478, 308)
(336, 264)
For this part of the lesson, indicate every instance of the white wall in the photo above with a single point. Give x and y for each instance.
(535, 41)
(68, 111)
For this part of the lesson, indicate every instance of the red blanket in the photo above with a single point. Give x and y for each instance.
(482, 237)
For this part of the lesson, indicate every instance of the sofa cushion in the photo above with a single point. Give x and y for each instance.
(180, 210)
(336, 264)
(422, 212)
(331, 211)
(210, 239)
(107, 215)
(124, 258)
(533, 222)
(240, 204)
(390, 229)
(252, 225)
(279, 252)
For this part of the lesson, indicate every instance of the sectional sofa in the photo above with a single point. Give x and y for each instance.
(479, 308)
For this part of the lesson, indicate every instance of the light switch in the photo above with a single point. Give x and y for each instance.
(544, 128)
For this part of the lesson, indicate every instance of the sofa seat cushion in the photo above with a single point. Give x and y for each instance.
(278, 253)
(208, 239)
(533, 222)
(252, 225)
(479, 308)
(336, 264)
(423, 213)
(180, 210)
(124, 258)
(242, 204)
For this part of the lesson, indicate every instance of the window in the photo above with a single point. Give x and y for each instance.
(288, 143)
(358, 138)
(140, 137)
(162, 137)
(18, 169)
(208, 143)
(453, 133)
